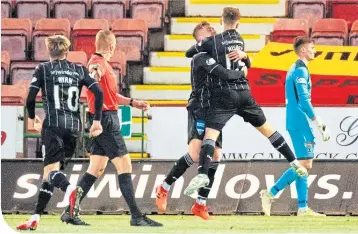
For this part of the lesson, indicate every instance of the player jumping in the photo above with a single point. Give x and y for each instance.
(203, 67)
(233, 97)
(110, 144)
(299, 114)
(61, 83)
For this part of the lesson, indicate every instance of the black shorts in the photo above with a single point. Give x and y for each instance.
(226, 103)
(110, 143)
(58, 145)
(196, 125)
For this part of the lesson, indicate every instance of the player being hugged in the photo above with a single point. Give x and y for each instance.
(232, 97)
(61, 83)
(299, 115)
(110, 144)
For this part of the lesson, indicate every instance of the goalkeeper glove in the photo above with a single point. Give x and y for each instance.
(323, 129)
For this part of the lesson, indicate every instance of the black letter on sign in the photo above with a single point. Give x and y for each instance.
(325, 82)
(268, 79)
(349, 83)
(280, 53)
(352, 99)
(344, 55)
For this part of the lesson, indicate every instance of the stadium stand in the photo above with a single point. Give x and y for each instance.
(312, 10)
(119, 65)
(353, 36)
(5, 66)
(6, 9)
(77, 57)
(33, 9)
(70, 9)
(153, 12)
(344, 9)
(285, 30)
(132, 37)
(108, 9)
(84, 34)
(45, 28)
(14, 94)
(330, 32)
(15, 36)
(22, 71)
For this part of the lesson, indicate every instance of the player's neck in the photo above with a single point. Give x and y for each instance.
(229, 27)
(304, 60)
(105, 54)
(57, 58)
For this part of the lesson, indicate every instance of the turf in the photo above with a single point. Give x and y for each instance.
(190, 224)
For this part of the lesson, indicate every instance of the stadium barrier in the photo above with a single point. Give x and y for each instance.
(333, 187)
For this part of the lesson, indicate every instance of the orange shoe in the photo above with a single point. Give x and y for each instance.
(28, 225)
(201, 211)
(161, 199)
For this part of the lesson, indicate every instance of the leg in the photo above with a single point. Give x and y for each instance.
(123, 166)
(302, 185)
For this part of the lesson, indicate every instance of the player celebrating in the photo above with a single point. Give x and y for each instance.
(232, 97)
(299, 114)
(203, 67)
(110, 144)
(61, 83)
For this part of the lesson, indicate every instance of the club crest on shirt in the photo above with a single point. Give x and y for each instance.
(301, 80)
(34, 79)
(210, 61)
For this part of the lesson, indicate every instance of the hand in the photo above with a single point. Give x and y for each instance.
(323, 129)
(95, 71)
(244, 69)
(237, 55)
(35, 124)
(142, 105)
(96, 129)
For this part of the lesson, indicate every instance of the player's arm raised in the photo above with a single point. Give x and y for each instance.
(34, 121)
(203, 46)
(304, 99)
(91, 83)
(211, 66)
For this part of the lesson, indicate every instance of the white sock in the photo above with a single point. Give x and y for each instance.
(201, 201)
(165, 186)
(35, 217)
(69, 190)
(303, 208)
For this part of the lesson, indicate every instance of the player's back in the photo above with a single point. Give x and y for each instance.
(61, 88)
(218, 47)
(295, 114)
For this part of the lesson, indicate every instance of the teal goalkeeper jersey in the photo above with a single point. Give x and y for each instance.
(299, 109)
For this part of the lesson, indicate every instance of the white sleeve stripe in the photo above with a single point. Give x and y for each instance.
(33, 86)
(92, 84)
(214, 68)
(196, 48)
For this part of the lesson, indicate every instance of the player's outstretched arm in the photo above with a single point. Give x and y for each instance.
(212, 67)
(139, 104)
(304, 99)
(193, 50)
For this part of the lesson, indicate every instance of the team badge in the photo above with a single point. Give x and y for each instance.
(210, 61)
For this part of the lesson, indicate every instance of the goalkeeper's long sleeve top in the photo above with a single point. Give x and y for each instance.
(299, 109)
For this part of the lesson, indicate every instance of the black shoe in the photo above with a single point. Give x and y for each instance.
(66, 218)
(144, 221)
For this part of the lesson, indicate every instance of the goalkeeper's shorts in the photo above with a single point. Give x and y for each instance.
(303, 143)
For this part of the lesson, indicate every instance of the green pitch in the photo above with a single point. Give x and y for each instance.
(191, 224)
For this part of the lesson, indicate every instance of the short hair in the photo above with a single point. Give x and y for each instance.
(299, 41)
(200, 26)
(57, 45)
(104, 38)
(231, 15)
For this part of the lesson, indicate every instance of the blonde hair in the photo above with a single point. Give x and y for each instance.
(57, 45)
(104, 38)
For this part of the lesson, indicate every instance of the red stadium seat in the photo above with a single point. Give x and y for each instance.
(344, 9)
(353, 37)
(152, 11)
(131, 35)
(72, 10)
(330, 32)
(84, 34)
(33, 9)
(77, 57)
(16, 34)
(13, 95)
(108, 9)
(5, 65)
(119, 63)
(312, 10)
(45, 28)
(5, 9)
(285, 30)
(22, 71)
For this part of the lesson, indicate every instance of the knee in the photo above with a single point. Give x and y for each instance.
(97, 172)
(48, 169)
(307, 164)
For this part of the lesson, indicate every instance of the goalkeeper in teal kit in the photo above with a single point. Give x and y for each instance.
(299, 116)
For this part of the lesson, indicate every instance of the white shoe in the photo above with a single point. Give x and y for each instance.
(308, 212)
(196, 183)
(266, 200)
(194, 195)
